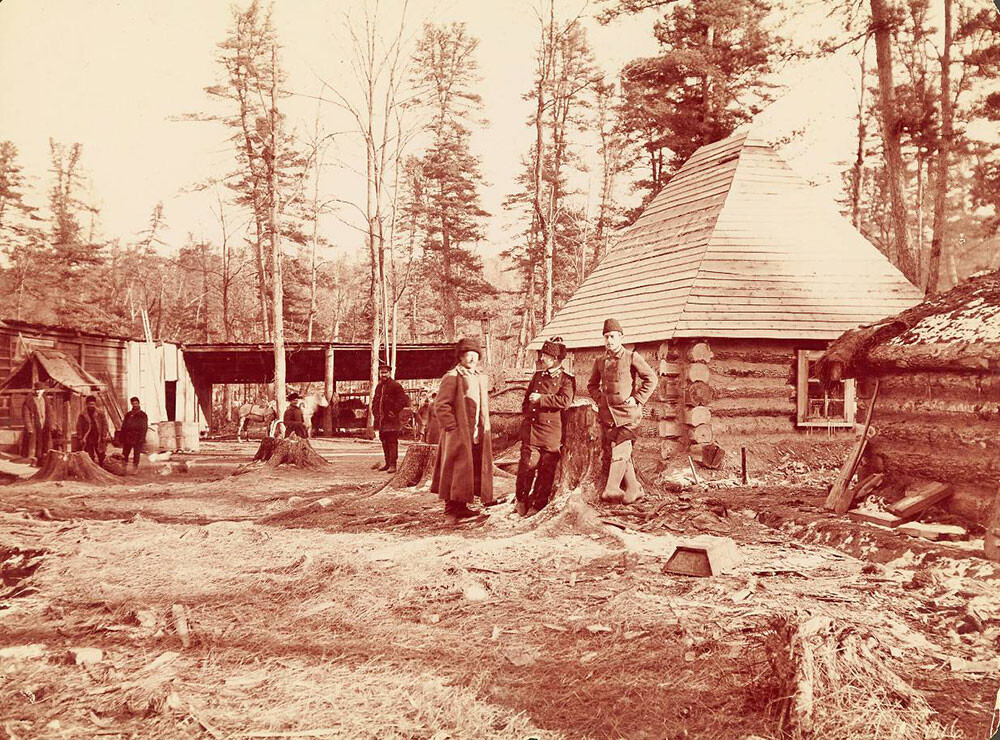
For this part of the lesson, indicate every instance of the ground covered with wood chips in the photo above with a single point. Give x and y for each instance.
(301, 605)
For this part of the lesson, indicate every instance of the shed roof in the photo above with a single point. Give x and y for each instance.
(53, 368)
(736, 245)
(957, 329)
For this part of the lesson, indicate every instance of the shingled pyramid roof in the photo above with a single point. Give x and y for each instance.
(736, 245)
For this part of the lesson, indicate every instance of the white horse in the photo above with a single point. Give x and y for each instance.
(257, 413)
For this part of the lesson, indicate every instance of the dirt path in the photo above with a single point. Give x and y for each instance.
(292, 605)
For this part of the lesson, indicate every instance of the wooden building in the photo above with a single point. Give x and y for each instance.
(937, 413)
(731, 283)
(157, 374)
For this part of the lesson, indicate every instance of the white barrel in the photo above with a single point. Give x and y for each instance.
(187, 436)
(166, 432)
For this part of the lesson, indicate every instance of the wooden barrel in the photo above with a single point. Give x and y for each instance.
(166, 432)
(187, 436)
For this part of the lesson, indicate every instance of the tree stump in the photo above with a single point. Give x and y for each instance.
(991, 542)
(73, 466)
(584, 460)
(417, 467)
(265, 449)
(294, 450)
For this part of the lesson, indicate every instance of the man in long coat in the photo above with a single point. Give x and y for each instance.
(387, 404)
(621, 382)
(464, 466)
(92, 430)
(549, 393)
(36, 413)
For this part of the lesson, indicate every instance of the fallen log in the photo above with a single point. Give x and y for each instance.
(922, 498)
(73, 466)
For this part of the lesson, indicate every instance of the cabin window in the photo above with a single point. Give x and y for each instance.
(823, 407)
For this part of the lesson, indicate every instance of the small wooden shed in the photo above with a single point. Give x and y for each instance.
(937, 414)
(731, 283)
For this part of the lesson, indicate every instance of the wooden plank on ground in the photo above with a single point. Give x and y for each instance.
(841, 497)
(883, 518)
(922, 498)
(934, 532)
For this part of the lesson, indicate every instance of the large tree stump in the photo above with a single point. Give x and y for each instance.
(417, 466)
(73, 466)
(584, 460)
(991, 543)
(298, 452)
(265, 449)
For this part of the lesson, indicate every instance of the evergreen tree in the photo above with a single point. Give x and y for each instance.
(711, 76)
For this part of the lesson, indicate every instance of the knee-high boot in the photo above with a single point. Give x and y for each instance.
(633, 488)
(619, 460)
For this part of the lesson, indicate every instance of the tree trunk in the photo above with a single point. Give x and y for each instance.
(857, 172)
(944, 149)
(274, 228)
(902, 257)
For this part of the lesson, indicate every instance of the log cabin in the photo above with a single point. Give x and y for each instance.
(731, 283)
(937, 413)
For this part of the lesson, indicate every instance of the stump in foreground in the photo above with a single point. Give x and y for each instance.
(292, 450)
(417, 466)
(73, 466)
(584, 462)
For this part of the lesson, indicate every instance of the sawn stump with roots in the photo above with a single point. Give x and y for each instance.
(292, 450)
(417, 466)
(73, 466)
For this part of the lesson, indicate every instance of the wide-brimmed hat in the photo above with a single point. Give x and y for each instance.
(468, 344)
(554, 347)
(612, 325)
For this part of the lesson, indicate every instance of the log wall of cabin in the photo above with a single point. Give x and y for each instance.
(941, 425)
(731, 392)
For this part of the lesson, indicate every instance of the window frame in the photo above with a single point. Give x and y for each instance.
(804, 357)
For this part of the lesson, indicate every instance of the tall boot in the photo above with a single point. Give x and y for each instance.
(619, 460)
(633, 488)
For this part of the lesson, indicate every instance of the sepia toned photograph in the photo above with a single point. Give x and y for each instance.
(511, 370)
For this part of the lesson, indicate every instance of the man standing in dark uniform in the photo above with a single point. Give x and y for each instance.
(387, 404)
(133, 432)
(621, 382)
(549, 393)
(294, 420)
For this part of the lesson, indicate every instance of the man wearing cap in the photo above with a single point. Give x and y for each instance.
(621, 382)
(37, 417)
(549, 393)
(387, 404)
(464, 466)
(294, 420)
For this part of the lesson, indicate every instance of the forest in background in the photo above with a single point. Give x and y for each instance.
(924, 185)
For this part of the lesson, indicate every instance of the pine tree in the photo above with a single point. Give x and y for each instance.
(711, 76)
(445, 72)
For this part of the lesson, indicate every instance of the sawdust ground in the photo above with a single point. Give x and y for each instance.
(322, 603)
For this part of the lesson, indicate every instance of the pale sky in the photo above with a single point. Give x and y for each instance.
(110, 75)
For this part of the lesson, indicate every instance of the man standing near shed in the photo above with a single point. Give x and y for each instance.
(621, 382)
(133, 432)
(387, 404)
(92, 430)
(37, 417)
(549, 393)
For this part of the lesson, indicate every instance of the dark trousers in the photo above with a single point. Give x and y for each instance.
(536, 466)
(95, 449)
(390, 445)
(35, 443)
(135, 448)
